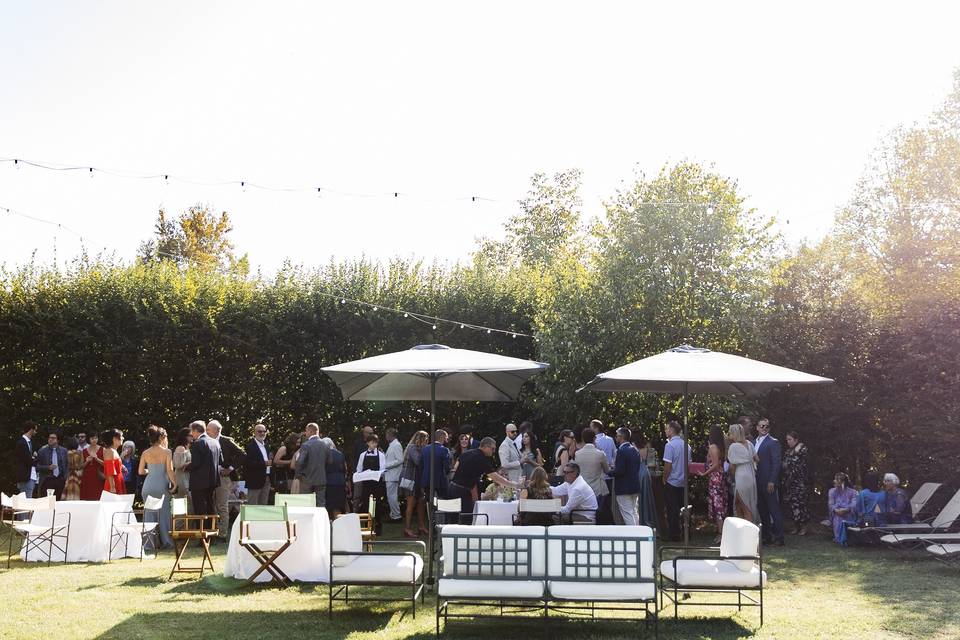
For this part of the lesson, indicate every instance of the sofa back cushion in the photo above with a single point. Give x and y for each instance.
(346, 536)
(600, 552)
(478, 550)
(740, 538)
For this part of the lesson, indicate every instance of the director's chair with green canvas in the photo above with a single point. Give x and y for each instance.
(185, 528)
(265, 542)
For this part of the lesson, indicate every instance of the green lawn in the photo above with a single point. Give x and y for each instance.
(817, 590)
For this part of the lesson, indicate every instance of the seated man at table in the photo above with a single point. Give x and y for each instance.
(474, 465)
(578, 499)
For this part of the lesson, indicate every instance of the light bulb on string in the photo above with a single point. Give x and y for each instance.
(375, 309)
(319, 192)
(488, 330)
(514, 335)
(434, 327)
(166, 180)
(462, 326)
(343, 301)
(90, 171)
(243, 186)
(16, 164)
(406, 315)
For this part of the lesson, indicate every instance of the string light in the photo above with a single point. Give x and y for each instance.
(244, 184)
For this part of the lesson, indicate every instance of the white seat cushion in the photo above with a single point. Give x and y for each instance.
(712, 573)
(944, 549)
(916, 537)
(494, 589)
(740, 538)
(380, 569)
(346, 537)
(34, 529)
(614, 591)
(138, 527)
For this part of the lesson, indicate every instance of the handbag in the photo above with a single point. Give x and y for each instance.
(407, 484)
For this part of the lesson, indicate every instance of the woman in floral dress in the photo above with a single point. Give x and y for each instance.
(795, 474)
(716, 478)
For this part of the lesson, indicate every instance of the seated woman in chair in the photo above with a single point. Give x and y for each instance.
(895, 508)
(841, 502)
(538, 488)
(869, 501)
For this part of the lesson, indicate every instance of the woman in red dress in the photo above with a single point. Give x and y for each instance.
(91, 483)
(112, 465)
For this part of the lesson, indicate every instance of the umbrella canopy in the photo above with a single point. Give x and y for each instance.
(687, 369)
(451, 374)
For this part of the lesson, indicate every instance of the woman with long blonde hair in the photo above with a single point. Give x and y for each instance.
(741, 456)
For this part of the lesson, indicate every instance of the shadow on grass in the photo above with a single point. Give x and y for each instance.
(919, 594)
(309, 623)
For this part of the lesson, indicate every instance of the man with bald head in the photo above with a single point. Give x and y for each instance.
(231, 456)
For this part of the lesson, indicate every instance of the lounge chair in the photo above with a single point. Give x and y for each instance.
(949, 553)
(941, 523)
(917, 540)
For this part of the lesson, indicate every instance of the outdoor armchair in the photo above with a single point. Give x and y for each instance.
(351, 565)
(736, 566)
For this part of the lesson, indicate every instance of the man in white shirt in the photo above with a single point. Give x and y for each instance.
(577, 496)
(391, 474)
(510, 455)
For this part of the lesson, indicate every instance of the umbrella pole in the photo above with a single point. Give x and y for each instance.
(686, 469)
(433, 430)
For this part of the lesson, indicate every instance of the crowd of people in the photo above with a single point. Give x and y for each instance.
(598, 477)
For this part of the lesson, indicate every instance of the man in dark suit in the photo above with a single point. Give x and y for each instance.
(204, 469)
(768, 482)
(52, 466)
(25, 460)
(257, 467)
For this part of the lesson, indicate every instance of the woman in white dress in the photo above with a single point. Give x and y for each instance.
(742, 459)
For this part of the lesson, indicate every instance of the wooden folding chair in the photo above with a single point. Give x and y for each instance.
(185, 528)
(259, 545)
(295, 499)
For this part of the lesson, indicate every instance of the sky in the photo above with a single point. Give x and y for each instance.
(438, 102)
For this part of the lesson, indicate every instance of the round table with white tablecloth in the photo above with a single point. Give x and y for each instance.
(306, 560)
(499, 513)
(89, 537)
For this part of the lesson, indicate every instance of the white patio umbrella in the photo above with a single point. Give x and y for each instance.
(686, 369)
(434, 372)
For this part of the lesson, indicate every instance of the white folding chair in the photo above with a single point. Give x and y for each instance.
(39, 537)
(120, 532)
(124, 498)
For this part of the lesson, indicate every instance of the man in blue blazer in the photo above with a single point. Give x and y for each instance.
(768, 482)
(626, 477)
(52, 466)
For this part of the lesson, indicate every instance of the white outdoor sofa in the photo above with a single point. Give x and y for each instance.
(735, 566)
(579, 569)
(351, 566)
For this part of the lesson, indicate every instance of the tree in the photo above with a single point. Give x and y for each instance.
(198, 238)
(547, 226)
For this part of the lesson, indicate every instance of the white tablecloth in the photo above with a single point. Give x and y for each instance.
(500, 513)
(89, 532)
(306, 560)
